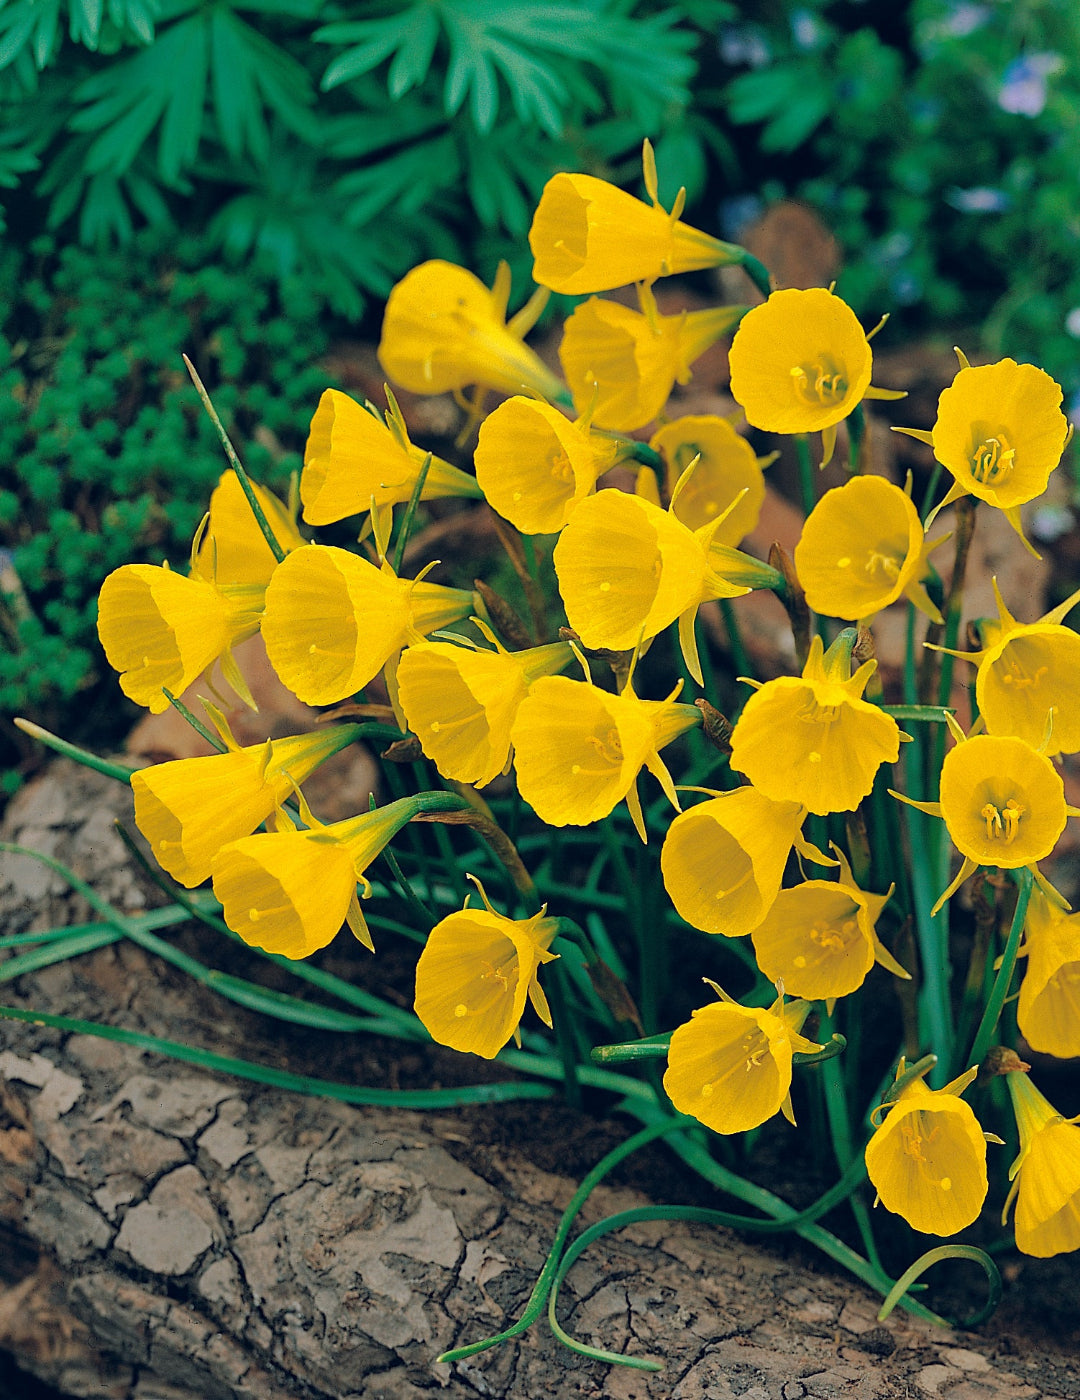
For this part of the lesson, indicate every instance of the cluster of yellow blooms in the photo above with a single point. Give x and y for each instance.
(629, 567)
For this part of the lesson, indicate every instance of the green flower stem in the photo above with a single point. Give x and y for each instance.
(807, 482)
(984, 1036)
(499, 1092)
(836, 1109)
(934, 1256)
(234, 462)
(405, 528)
(757, 272)
(120, 771)
(856, 425)
(653, 1047)
(739, 655)
(214, 740)
(562, 1022)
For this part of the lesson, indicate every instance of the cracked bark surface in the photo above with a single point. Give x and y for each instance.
(167, 1234)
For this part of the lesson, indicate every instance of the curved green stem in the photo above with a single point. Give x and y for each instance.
(935, 1256)
(988, 1025)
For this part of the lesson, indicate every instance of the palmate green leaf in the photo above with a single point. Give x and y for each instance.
(374, 41)
(404, 181)
(789, 98)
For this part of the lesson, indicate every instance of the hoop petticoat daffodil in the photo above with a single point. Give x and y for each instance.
(622, 364)
(354, 461)
(535, 466)
(589, 236)
(1048, 1011)
(727, 473)
(819, 939)
(800, 362)
(231, 548)
(627, 569)
(1026, 671)
(578, 749)
(334, 620)
(863, 547)
(1000, 431)
(444, 331)
(475, 974)
(927, 1160)
(461, 701)
(1003, 804)
(1045, 1176)
(813, 739)
(729, 1066)
(723, 860)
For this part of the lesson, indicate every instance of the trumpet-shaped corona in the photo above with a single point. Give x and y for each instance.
(726, 481)
(814, 740)
(461, 704)
(729, 1066)
(1048, 1012)
(333, 620)
(475, 974)
(534, 465)
(353, 459)
(1046, 1174)
(622, 364)
(927, 1160)
(233, 549)
(444, 330)
(861, 549)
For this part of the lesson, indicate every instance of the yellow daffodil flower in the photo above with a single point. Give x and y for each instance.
(589, 236)
(1003, 804)
(862, 548)
(534, 465)
(1046, 1174)
(443, 331)
(289, 892)
(354, 461)
(579, 749)
(927, 1160)
(1027, 670)
(476, 972)
(727, 474)
(627, 569)
(1048, 1012)
(231, 549)
(800, 362)
(189, 808)
(1000, 431)
(820, 939)
(461, 702)
(622, 364)
(729, 1066)
(723, 860)
(333, 620)
(814, 740)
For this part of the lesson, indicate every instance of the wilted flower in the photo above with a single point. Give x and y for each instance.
(476, 972)
(729, 1066)
(727, 472)
(589, 236)
(1048, 1012)
(862, 548)
(461, 702)
(1046, 1174)
(443, 330)
(927, 1161)
(814, 740)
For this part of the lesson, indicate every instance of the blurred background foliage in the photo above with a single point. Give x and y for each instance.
(245, 181)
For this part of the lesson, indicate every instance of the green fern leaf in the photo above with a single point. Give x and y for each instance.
(374, 41)
(413, 58)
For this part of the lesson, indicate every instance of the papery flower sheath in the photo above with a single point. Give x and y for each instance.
(627, 569)
(1025, 671)
(723, 860)
(1048, 1012)
(1000, 431)
(354, 460)
(333, 620)
(819, 939)
(443, 330)
(862, 547)
(232, 548)
(1004, 805)
(622, 364)
(289, 892)
(927, 1160)
(813, 739)
(579, 749)
(1046, 1174)
(727, 474)
(534, 465)
(475, 974)
(189, 808)
(729, 1066)
(461, 703)
(589, 236)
